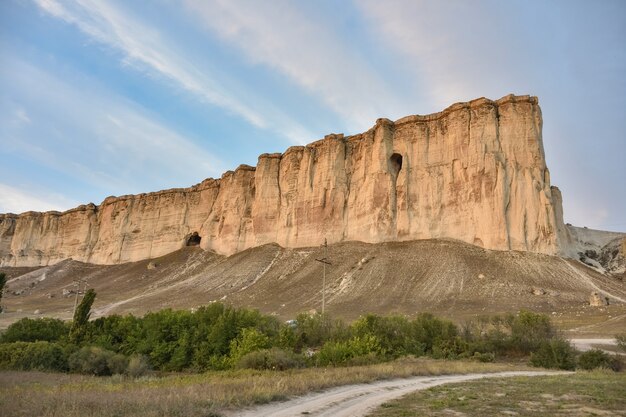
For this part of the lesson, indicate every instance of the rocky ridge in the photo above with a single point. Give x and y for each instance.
(474, 172)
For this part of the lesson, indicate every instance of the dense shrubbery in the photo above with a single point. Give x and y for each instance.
(40, 356)
(34, 330)
(274, 358)
(596, 358)
(554, 353)
(221, 337)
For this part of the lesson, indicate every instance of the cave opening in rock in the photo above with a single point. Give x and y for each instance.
(193, 239)
(395, 163)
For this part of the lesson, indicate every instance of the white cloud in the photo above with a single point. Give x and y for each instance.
(458, 50)
(149, 50)
(21, 116)
(99, 138)
(310, 53)
(16, 200)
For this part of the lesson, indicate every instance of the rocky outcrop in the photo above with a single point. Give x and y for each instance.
(475, 172)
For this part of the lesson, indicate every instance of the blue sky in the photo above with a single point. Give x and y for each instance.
(102, 98)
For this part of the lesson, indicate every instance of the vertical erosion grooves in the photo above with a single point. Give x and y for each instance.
(468, 168)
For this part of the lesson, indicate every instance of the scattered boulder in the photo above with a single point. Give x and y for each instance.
(152, 265)
(538, 291)
(596, 300)
(37, 311)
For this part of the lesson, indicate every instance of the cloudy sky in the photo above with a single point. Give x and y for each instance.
(114, 97)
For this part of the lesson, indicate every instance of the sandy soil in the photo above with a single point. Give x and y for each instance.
(360, 399)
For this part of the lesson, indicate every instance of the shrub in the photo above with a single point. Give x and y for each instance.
(138, 365)
(97, 361)
(555, 353)
(274, 358)
(249, 340)
(333, 353)
(531, 330)
(313, 330)
(33, 330)
(359, 349)
(621, 341)
(484, 357)
(596, 358)
(432, 335)
(41, 356)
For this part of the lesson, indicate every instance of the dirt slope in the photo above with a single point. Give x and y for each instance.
(446, 277)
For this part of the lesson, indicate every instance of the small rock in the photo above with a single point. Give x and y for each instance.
(538, 291)
(595, 300)
(481, 276)
(152, 265)
(37, 311)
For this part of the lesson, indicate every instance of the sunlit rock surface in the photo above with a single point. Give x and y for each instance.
(475, 172)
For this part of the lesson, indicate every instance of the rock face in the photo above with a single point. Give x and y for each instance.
(475, 172)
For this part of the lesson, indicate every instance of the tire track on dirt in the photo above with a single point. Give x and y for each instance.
(360, 399)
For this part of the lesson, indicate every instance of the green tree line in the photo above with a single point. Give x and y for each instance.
(216, 337)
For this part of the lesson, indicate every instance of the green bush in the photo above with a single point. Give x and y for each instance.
(359, 349)
(313, 329)
(274, 358)
(554, 353)
(250, 340)
(334, 353)
(26, 356)
(531, 330)
(94, 360)
(596, 358)
(138, 365)
(33, 330)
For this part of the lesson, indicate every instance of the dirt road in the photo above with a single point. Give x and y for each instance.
(359, 400)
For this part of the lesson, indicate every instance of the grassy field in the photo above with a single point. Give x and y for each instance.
(47, 394)
(598, 393)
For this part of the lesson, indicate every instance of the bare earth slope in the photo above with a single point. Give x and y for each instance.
(443, 276)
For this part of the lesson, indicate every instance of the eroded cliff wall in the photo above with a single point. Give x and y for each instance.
(475, 172)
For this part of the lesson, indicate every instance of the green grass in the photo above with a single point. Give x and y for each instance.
(48, 394)
(597, 393)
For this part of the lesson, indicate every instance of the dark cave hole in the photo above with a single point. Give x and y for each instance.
(194, 239)
(395, 163)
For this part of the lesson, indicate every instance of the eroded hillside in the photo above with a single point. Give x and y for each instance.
(444, 276)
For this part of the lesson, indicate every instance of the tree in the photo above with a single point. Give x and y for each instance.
(3, 281)
(81, 316)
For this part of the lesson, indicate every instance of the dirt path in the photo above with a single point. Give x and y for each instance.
(360, 399)
(588, 344)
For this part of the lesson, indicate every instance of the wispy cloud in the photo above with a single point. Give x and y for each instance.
(450, 48)
(308, 51)
(16, 200)
(147, 49)
(98, 137)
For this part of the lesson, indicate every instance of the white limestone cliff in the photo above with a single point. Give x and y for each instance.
(475, 172)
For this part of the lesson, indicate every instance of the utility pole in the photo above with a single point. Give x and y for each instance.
(77, 284)
(324, 262)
